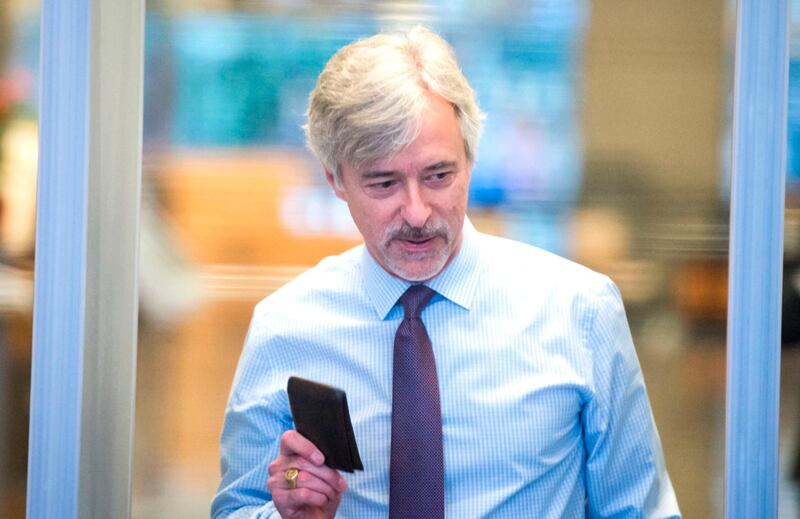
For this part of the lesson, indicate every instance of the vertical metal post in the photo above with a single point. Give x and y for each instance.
(85, 295)
(59, 293)
(756, 256)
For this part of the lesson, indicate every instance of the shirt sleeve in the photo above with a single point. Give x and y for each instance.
(625, 471)
(255, 419)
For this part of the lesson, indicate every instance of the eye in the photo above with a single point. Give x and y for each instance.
(386, 184)
(383, 186)
(440, 178)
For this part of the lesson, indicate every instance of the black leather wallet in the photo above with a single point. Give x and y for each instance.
(320, 414)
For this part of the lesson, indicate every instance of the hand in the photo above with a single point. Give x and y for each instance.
(319, 487)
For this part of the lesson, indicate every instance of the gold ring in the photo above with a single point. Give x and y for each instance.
(290, 476)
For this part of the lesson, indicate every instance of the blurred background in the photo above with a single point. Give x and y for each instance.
(607, 141)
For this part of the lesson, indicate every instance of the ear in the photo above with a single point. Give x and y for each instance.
(338, 189)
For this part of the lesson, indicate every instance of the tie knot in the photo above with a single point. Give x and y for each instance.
(415, 299)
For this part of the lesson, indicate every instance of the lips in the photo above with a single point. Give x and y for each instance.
(417, 245)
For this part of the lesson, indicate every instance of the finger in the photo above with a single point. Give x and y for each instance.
(303, 497)
(330, 476)
(305, 479)
(294, 443)
(308, 479)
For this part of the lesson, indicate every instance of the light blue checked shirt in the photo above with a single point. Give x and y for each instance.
(544, 409)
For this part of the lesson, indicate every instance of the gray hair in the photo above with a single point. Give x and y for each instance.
(370, 98)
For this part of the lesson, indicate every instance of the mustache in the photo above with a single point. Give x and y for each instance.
(429, 230)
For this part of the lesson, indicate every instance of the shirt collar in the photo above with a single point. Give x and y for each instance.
(456, 282)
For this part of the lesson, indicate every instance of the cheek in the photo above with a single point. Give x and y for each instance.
(458, 202)
(371, 221)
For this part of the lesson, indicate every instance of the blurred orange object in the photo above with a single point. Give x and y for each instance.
(227, 208)
(700, 288)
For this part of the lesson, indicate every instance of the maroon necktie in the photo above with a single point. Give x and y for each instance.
(416, 470)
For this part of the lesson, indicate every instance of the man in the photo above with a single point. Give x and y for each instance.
(485, 378)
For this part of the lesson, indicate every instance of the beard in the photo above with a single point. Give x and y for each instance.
(417, 266)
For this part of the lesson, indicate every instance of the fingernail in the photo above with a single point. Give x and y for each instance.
(317, 458)
(342, 484)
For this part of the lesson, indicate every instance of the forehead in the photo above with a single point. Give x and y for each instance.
(438, 141)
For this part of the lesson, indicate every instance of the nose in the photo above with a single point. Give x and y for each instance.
(415, 210)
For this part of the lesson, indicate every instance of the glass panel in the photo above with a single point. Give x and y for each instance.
(606, 142)
(19, 52)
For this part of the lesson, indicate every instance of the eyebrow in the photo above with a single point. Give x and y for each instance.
(369, 175)
(444, 164)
